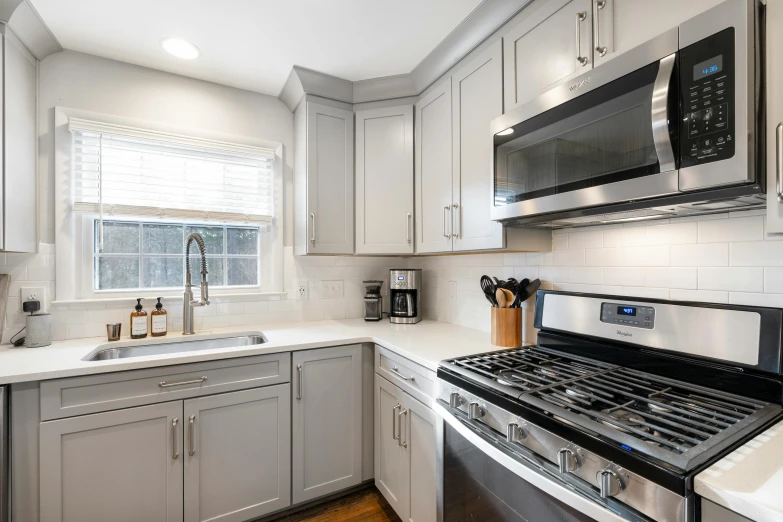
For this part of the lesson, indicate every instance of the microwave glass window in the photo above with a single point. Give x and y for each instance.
(708, 67)
(603, 136)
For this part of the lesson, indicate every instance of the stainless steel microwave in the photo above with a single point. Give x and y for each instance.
(672, 127)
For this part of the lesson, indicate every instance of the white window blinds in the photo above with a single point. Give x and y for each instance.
(128, 175)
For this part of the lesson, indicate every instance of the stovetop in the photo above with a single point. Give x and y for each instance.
(672, 421)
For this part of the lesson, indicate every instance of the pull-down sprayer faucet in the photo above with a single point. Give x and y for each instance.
(189, 302)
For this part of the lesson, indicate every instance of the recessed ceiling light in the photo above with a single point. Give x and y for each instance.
(506, 132)
(180, 48)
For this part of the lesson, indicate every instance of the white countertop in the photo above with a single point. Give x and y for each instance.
(749, 481)
(425, 343)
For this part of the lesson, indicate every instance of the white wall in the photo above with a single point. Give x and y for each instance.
(721, 258)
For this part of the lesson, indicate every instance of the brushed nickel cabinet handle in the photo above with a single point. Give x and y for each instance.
(174, 450)
(402, 443)
(779, 160)
(394, 422)
(298, 382)
(312, 238)
(597, 6)
(456, 221)
(408, 227)
(401, 376)
(579, 58)
(164, 384)
(446, 210)
(192, 435)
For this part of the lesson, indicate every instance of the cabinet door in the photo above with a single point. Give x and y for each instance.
(384, 181)
(774, 79)
(237, 454)
(329, 180)
(123, 466)
(433, 170)
(327, 427)
(392, 466)
(19, 232)
(477, 97)
(419, 423)
(625, 24)
(543, 48)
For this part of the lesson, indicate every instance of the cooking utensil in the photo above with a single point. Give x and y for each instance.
(517, 302)
(488, 287)
(530, 289)
(504, 297)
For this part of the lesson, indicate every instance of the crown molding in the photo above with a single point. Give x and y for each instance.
(27, 25)
(480, 24)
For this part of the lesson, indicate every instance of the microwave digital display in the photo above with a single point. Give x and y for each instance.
(708, 67)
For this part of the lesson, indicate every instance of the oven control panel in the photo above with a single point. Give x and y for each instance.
(628, 315)
(707, 93)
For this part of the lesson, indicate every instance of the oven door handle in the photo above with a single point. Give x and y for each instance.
(526, 472)
(660, 114)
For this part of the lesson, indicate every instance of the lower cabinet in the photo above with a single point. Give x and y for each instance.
(405, 452)
(327, 421)
(226, 455)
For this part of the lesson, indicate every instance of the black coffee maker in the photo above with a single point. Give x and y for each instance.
(405, 293)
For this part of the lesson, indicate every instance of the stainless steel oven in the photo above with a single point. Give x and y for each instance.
(670, 127)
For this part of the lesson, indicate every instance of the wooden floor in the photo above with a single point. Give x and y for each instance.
(365, 505)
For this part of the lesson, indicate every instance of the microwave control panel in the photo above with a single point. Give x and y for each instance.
(708, 106)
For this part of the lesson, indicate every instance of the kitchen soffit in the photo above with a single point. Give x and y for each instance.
(252, 44)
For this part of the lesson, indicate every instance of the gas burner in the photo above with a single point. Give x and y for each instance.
(623, 418)
(578, 393)
(659, 408)
(547, 372)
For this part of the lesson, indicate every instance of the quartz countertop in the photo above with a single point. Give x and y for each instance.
(425, 343)
(749, 481)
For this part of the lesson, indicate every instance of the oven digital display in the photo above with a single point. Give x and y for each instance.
(626, 310)
(708, 67)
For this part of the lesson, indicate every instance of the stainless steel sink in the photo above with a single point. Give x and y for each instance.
(106, 351)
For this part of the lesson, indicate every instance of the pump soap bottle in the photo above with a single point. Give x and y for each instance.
(158, 317)
(138, 322)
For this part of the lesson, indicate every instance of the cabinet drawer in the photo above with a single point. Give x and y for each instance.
(96, 393)
(411, 377)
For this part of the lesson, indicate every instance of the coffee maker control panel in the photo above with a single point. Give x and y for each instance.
(400, 282)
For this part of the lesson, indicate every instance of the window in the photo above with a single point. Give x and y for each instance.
(149, 255)
(133, 194)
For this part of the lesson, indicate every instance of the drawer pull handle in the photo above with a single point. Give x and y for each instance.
(192, 435)
(164, 384)
(395, 370)
(174, 450)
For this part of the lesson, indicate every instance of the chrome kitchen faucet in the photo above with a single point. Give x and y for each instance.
(189, 303)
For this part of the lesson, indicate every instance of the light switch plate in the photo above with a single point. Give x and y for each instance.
(33, 293)
(331, 289)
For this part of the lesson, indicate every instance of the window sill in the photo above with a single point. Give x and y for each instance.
(255, 296)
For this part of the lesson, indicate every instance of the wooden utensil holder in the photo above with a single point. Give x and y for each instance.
(507, 327)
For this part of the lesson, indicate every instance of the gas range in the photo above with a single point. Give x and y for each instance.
(626, 425)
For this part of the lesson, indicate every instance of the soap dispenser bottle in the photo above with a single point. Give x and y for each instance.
(138, 322)
(158, 317)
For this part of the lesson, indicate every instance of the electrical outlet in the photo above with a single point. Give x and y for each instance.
(300, 290)
(33, 293)
(331, 289)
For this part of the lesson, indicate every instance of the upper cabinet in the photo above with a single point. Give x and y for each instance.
(18, 204)
(552, 42)
(774, 145)
(477, 99)
(323, 180)
(384, 180)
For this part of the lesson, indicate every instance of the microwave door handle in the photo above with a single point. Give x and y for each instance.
(660, 114)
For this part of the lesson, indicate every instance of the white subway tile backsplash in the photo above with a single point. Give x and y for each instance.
(773, 280)
(672, 234)
(706, 254)
(732, 279)
(585, 238)
(647, 256)
(731, 230)
(757, 253)
(624, 276)
(604, 257)
(708, 296)
(668, 277)
(752, 299)
(569, 257)
(585, 275)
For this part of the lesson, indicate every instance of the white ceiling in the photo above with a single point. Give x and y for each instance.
(252, 44)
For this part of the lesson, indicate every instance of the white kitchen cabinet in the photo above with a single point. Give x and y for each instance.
(327, 423)
(433, 176)
(774, 79)
(542, 49)
(405, 453)
(477, 94)
(18, 204)
(323, 180)
(384, 180)
(123, 466)
(625, 24)
(237, 451)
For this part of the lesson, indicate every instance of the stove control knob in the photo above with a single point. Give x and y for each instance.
(475, 411)
(609, 483)
(567, 461)
(455, 400)
(514, 432)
